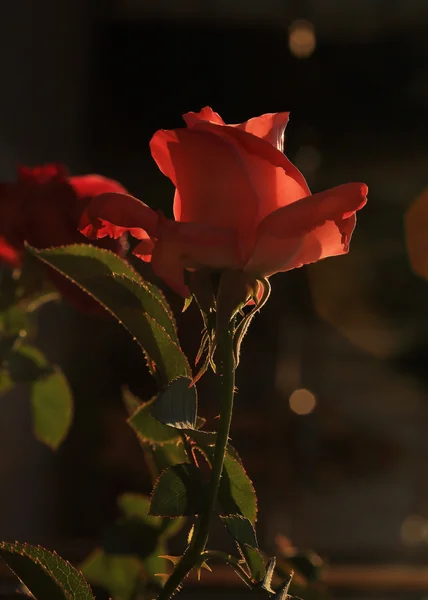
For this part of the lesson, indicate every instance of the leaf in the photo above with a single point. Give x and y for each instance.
(147, 428)
(168, 455)
(270, 570)
(52, 405)
(44, 573)
(177, 404)
(242, 530)
(14, 320)
(179, 491)
(134, 505)
(26, 364)
(138, 305)
(117, 574)
(138, 505)
(255, 562)
(236, 494)
(6, 381)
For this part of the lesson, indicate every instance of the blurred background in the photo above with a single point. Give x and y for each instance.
(339, 398)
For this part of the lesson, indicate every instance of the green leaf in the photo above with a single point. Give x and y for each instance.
(179, 491)
(26, 364)
(138, 505)
(6, 381)
(14, 320)
(243, 532)
(44, 573)
(52, 404)
(168, 455)
(241, 529)
(134, 505)
(149, 429)
(117, 574)
(236, 494)
(138, 305)
(177, 404)
(255, 562)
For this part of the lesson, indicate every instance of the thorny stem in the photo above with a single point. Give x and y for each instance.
(230, 560)
(193, 556)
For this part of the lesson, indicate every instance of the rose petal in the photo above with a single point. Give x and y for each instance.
(206, 114)
(113, 214)
(189, 245)
(212, 179)
(93, 185)
(276, 181)
(269, 127)
(144, 249)
(309, 230)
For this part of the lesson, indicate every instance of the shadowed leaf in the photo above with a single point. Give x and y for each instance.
(117, 574)
(177, 404)
(179, 491)
(242, 530)
(44, 573)
(138, 305)
(52, 405)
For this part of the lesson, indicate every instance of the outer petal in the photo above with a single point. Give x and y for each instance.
(276, 180)
(269, 127)
(189, 245)
(206, 114)
(92, 185)
(309, 230)
(212, 179)
(113, 214)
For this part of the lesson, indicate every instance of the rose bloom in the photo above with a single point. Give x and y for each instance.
(43, 207)
(239, 204)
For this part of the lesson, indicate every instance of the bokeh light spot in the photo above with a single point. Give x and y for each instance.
(302, 402)
(301, 38)
(414, 530)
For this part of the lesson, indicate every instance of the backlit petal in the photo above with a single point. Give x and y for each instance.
(113, 214)
(309, 230)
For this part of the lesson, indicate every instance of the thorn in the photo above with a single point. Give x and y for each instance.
(203, 566)
(173, 559)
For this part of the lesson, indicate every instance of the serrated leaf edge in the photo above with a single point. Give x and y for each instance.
(20, 548)
(149, 318)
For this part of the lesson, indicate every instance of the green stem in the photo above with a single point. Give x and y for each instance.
(226, 373)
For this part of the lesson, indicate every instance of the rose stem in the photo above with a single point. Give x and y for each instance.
(226, 373)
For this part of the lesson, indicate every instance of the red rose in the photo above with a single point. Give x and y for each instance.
(239, 204)
(43, 207)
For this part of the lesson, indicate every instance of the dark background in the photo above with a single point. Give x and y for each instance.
(88, 84)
